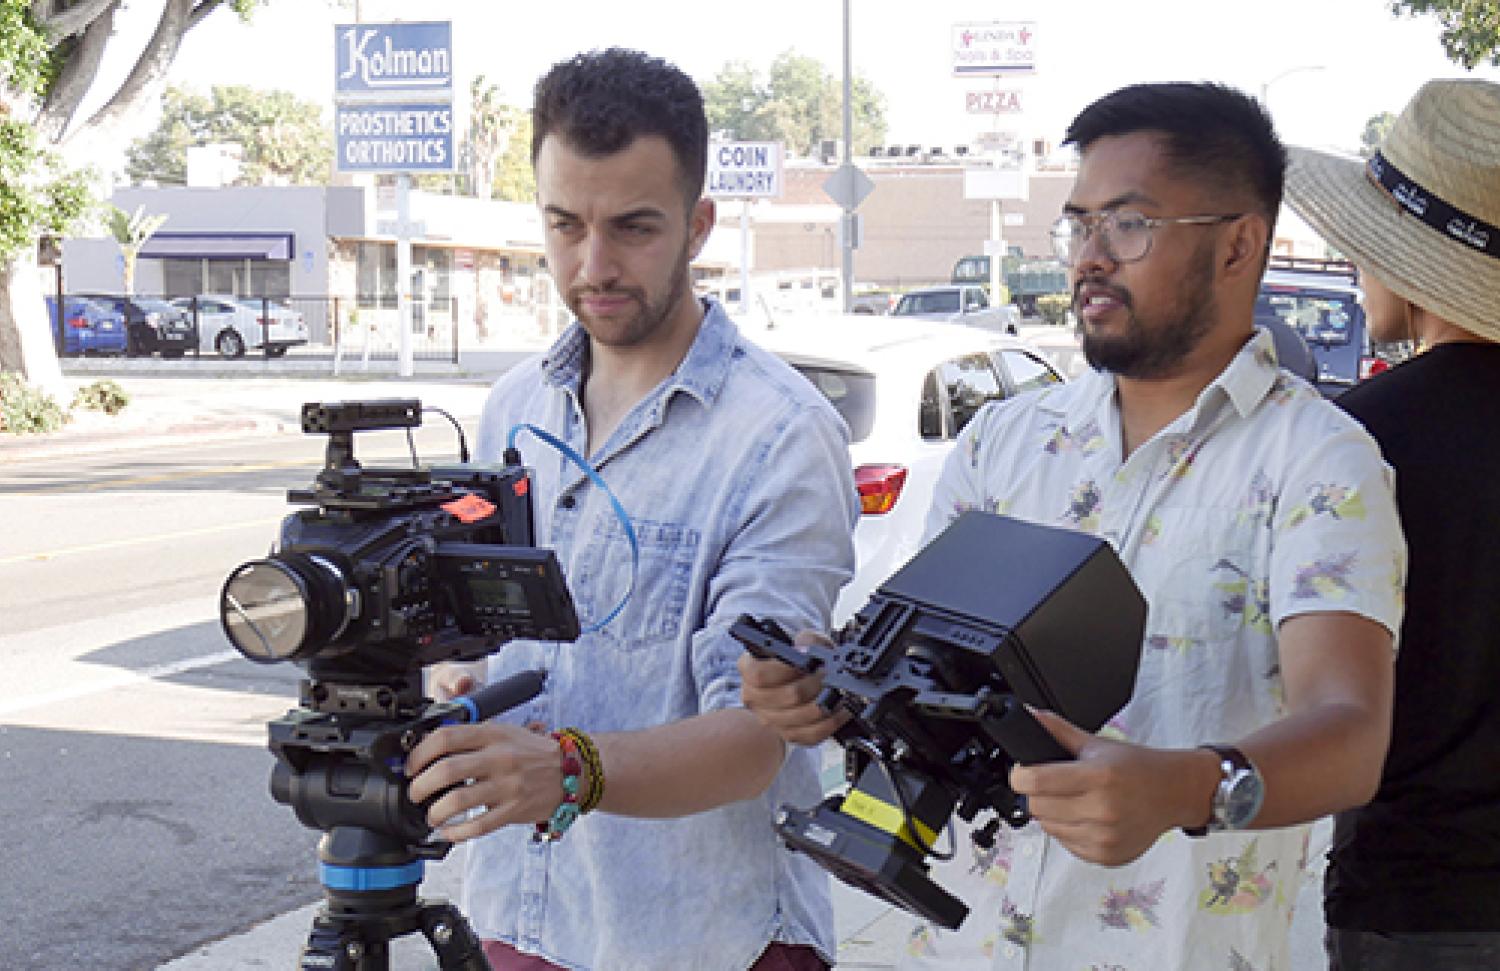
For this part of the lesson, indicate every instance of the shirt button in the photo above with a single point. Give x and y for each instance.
(1028, 849)
(1010, 951)
(567, 501)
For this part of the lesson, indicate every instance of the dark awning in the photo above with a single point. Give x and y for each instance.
(219, 246)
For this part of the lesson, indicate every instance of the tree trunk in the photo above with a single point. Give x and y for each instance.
(25, 333)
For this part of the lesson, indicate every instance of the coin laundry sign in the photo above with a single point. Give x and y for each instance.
(994, 49)
(744, 170)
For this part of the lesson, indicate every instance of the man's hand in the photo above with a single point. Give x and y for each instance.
(785, 699)
(512, 774)
(447, 681)
(1112, 803)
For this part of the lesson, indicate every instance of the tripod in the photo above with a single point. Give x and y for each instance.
(370, 897)
(341, 773)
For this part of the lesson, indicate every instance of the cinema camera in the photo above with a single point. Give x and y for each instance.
(935, 673)
(390, 570)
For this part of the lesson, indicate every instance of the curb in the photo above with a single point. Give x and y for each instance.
(133, 435)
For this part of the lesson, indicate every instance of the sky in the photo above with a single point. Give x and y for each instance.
(1327, 65)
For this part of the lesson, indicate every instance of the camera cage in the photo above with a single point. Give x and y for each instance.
(935, 674)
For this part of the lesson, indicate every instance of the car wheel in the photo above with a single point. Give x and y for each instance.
(230, 344)
(133, 346)
(276, 351)
(173, 355)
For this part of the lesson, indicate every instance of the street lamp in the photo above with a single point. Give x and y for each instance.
(1265, 86)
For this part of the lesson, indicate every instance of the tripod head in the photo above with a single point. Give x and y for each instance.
(339, 765)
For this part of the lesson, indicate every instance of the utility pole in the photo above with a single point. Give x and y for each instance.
(846, 273)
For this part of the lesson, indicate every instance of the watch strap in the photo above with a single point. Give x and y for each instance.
(1231, 761)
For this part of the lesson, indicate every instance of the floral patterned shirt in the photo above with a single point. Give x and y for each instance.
(1261, 502)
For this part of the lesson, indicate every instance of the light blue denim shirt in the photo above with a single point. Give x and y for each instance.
(735, 473)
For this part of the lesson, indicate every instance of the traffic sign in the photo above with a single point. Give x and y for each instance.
(848, 186)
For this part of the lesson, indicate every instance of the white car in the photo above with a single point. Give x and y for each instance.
(905, 388)
(960, 303)
(230, 324)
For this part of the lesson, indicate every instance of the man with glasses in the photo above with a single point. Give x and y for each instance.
(1260, 525)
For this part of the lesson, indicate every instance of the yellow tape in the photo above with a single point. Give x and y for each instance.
(884, 816)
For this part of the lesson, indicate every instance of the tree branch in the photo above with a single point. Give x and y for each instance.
(77, 74)
(151, 67)
(60, 23)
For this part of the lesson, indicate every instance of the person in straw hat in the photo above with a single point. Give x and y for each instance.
(1414, 878)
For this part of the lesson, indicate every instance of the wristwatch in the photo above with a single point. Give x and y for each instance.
(1238, 797)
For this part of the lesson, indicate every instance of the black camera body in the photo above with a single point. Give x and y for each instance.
(394, 569)
(935, 674)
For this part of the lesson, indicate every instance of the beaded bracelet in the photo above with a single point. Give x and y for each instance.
(567, 811)
(589, 753)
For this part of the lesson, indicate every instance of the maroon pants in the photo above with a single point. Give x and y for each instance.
(777, 957)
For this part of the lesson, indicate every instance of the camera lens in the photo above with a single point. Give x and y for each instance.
(284, 608)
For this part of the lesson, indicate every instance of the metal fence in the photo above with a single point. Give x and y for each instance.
(360, 331)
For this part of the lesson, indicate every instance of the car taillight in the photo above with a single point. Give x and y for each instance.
(879, 487)
(78, 323)
(1371, 366)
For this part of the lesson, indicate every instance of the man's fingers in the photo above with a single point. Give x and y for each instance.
(810, 638)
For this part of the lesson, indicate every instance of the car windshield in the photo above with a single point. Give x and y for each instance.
(1325, 317)
(936, 302)
(155, 306)
(851, 392)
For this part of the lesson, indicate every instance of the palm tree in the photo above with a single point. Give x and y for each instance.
(131, 230)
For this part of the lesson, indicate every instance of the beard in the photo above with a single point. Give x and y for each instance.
(650, 316)
(1154, 346)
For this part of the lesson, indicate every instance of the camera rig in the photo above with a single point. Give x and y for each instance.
(390, 570)
(935, 674)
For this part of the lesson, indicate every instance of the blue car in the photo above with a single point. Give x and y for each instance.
(87, 326)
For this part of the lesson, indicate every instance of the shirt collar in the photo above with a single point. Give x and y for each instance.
(1245, 382)
(701, 374)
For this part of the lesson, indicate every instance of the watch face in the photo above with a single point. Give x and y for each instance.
(1243, 798)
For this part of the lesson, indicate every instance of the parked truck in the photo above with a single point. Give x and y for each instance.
(1025, 279)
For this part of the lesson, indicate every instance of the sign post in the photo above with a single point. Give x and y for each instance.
(745, 171)
(393, 106)
(1002, 49)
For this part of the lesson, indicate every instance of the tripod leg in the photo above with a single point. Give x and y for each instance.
(335, 946)
(452, 939)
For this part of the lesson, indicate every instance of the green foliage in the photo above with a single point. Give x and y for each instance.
(799, 104)
(1471, 28)
(106, 396)
(1054, 308)
(1375, 131)
(25, 61)
(36, 194)
(514, 178)
(283, 139)
(25, 410)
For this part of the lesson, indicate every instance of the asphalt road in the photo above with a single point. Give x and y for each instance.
(135, 820)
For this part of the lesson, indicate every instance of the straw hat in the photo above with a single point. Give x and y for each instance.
(1424, 214)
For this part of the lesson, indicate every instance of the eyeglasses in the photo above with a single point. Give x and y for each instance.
(1124, 234)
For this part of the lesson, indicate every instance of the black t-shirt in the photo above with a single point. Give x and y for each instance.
(1425, 854)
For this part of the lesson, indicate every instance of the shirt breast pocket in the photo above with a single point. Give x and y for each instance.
(1205, 570)
(663, 583)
